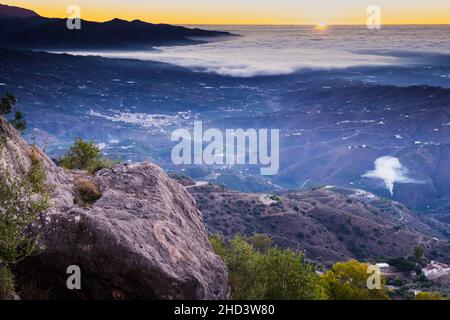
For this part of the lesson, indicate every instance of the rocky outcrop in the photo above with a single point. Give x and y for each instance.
(143, 239)
(15, 158)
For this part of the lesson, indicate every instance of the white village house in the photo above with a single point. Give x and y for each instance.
(435, 270)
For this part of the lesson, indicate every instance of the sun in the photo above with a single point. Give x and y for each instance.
(321, 26)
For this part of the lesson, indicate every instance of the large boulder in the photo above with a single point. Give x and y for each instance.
(15, 158)
(143, 239)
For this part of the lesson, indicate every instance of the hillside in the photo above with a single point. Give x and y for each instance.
(328, 136)
(328, 224)
(17, 12)
(24, 30)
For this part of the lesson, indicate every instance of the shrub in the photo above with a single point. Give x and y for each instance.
(402, 293)
(288, 277)
(19, 207)
(100, 164)
(348, 281)
(81, 155)
(274, 274)
(430, 296)
(260, 242)
(6, 282)
(7, 104)
(276, 198)
(402, 264)
(19, 121)
(85, 155)
(36, 175)
(87, 190)
(419, 253)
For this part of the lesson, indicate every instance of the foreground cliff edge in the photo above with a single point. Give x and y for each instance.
(143, 239)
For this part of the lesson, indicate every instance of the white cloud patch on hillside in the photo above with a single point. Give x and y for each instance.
(391, 171)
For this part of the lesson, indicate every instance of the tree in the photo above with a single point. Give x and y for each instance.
(419, 254)
(273, 274)
(285, 276)
(241, 261)
(81, 155)
(19, 121)
(348, 281)
(7, 104)
(430, 296)
(260, 242)
(85, 155)
(402, 264)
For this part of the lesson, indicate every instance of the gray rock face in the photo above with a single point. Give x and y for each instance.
(143, 239)
(15, 157)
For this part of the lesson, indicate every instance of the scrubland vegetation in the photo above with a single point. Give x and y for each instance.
(21, 202)
(85, 155)
(258, 270)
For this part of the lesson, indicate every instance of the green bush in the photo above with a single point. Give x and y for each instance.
(430, 296)
(19, 207)
(402, 264)
(276, 198)
(19, 121)
(402, 293)
(274, 274)
(7, 104)
(36, 175)
(260, 242)
(81, 155)
(348, 281)
(287, 277)
(99, 164)
(6, 282)
(85, 155)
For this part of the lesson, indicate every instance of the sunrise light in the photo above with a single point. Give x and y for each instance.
(321, 26)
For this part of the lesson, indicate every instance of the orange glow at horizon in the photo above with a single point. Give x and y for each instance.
(321, 26)
(246, 11)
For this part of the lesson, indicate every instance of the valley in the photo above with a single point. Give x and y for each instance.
(327, 224)
(332, 128)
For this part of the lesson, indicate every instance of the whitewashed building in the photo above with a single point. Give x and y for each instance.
(435, 270)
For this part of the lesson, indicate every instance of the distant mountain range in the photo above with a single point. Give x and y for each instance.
(25, 29)
(10, 11)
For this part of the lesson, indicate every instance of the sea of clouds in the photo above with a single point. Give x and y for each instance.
(262, 51)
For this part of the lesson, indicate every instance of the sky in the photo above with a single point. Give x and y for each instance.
(247, 11)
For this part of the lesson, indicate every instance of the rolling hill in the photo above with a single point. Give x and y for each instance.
(328, 224)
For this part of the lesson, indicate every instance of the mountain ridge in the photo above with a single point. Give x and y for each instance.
(22, 30)
(18, 12)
